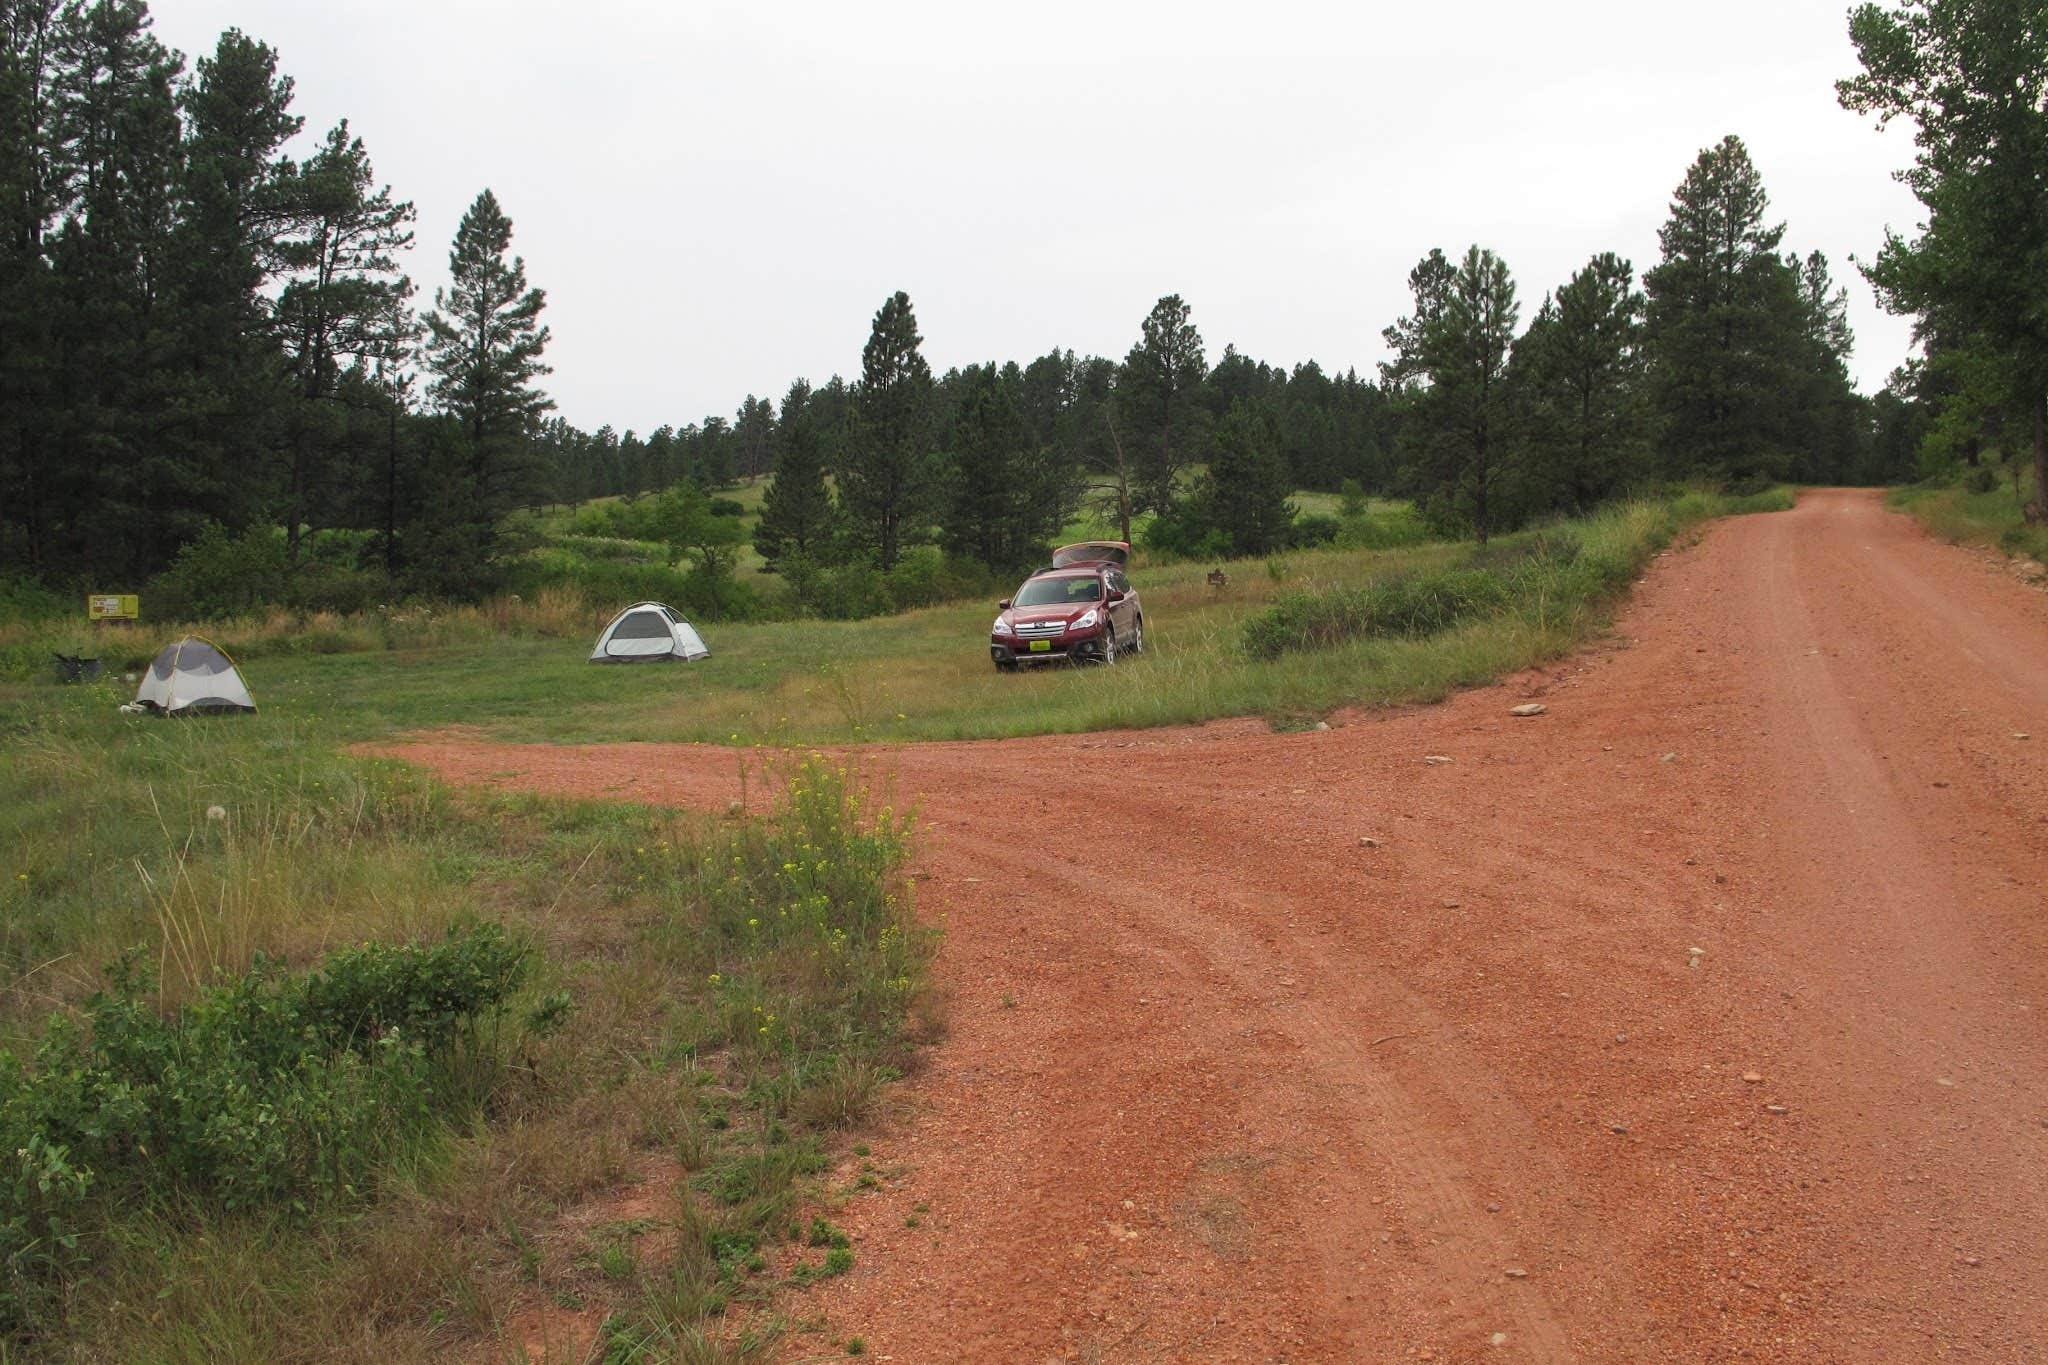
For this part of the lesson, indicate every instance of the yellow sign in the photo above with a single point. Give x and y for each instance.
(113, 606)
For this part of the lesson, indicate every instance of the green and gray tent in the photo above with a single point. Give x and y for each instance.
(647, 632)
(192, 675)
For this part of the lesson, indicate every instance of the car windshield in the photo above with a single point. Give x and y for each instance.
(1054, 592)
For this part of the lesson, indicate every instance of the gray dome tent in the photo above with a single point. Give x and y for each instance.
(193, 675)
(648, 632)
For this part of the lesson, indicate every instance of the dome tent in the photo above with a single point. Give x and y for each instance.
(193, 675)
(648, 632)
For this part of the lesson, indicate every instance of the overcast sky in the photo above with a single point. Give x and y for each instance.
(717, 197)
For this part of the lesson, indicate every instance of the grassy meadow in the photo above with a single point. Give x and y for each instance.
(519, 671)
(576, 999)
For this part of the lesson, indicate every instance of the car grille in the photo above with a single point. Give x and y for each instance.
(1032, 630)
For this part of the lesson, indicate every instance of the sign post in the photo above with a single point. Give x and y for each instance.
(113, 606)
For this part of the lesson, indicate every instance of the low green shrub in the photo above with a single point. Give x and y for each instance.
(851, 592)
(1387, 529)
(275, 1090)
(1405, 604)
(1316, 529)
(23, 599)
(613, 548)
(321, 587)
(612, 583)
(1539, 573)
(220, 573)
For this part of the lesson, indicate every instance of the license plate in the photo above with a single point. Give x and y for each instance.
(1041, 646)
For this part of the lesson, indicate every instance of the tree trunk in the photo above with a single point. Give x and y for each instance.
(391, 497)
(296, 500)
(2036, 512)
(1479, 490)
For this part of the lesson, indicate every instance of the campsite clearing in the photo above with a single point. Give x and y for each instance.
(1377, 1059)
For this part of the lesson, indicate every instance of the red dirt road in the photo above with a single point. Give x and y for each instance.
(1704, 1017)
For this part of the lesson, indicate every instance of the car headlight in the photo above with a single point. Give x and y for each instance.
(998, 628)
(1086, 619)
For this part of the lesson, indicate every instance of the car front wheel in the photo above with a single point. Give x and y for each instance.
(1108, 646)
(1138, 636)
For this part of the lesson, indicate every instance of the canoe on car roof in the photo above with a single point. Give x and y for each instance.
(1117, 552)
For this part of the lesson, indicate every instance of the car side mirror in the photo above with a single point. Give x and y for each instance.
(1003, 605)
(1116, 595)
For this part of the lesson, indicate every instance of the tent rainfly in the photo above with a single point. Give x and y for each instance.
(648, 631)
(192, 675)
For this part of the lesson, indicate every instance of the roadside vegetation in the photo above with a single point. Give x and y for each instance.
(307, 1057)
(1985, 505)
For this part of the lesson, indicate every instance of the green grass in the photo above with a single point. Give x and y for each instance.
(737, 995)
(919, 675)
(1980, 515)
(1310, 503)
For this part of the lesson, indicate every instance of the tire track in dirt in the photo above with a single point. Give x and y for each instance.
(1926, 956)
(1225, 1084)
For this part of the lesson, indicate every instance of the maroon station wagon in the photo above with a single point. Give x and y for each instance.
(1082, 610)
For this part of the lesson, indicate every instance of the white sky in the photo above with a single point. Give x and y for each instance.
(717, 197)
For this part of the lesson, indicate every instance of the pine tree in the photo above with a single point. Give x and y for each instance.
(1429, 284)
(888, 476)
(1046, 395)
(228, 393)
(1006, 494)
(1237, 379)
(1973, 79)
(484, 354)
(754, 438)
(1724, 326)
(1581, 366)
(1464, 415)
(33, 502)
(344, 301)
(1831, 421)
(1245, 494)
(1308, 428)
(115, 114)
(797, 514)
(1158, 404)
(711, 460)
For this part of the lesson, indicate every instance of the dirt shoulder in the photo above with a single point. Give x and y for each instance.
(1700, 1016)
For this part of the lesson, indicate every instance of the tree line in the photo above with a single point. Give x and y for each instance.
(209, 346)
(1971, 79)
(1726, 361)
(200, 334)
